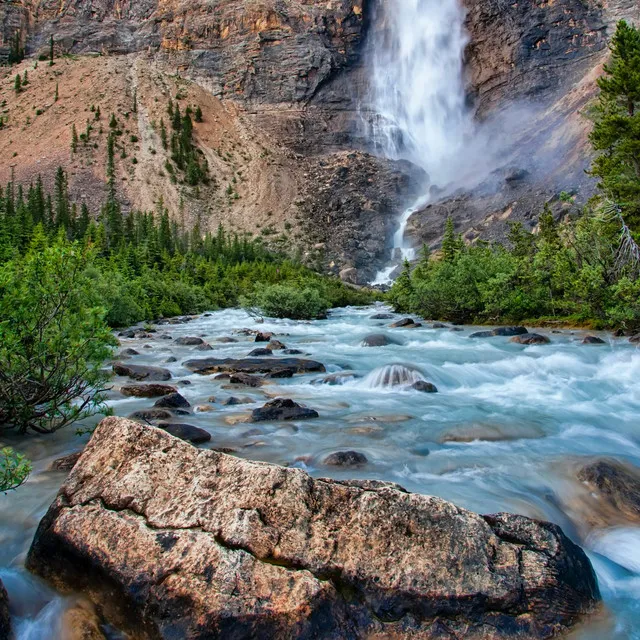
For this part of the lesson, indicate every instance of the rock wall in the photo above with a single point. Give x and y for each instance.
(171, 541)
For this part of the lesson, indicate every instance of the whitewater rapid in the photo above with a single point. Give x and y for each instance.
(500, 435)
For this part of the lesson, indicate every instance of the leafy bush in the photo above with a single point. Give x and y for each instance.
(14, 470)
(289, 301)
(53, 339)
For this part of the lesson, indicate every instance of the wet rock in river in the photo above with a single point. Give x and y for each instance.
(245, 555)
(171, 360)
(190, 341)
(147, 390)
(424, 386)
(151, 415)
(345, 459)
(439, 325)
(377, 340)
(593, 340)
(81, 622)
(336, 378)
(635, 339)
(128, 353)
(205, 346)
(405, 323)
(173, 401)
(615, 483)
(500, 331)
(258, 353)
(276, 345)
(382, 316)
(292, 352)
(280, 374)
(530, 339)
(490, 433)
(207, 366)
(226, 340)
(263, 337)
(141, 372)
(282, 409)
(66, 463)
(246, 379)
(186, 432)
(233, 401)
(165, 336)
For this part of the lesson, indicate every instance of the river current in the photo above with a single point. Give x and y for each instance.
(504, 433)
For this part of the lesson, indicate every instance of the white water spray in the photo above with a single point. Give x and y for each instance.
(418, 95)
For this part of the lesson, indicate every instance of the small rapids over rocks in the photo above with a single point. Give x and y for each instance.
(391, 377)
(506, 431)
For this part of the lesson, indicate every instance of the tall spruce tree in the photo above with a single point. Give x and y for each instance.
(616, 134)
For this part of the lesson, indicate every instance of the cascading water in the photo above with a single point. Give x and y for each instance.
(391, 376)
(418, 95)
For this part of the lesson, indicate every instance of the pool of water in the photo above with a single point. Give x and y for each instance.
(504, 432)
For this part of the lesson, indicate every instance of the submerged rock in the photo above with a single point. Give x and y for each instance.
(283, 409)
(593, 340)
(66, 463)
(258, 353)
(190, 341)
(382, 316)
(276, 345)
(188, 543)
(245, 379)
(405, 323)
(128, 353)
(635, 339)
(336, 378)
(186, 432)
(141, 372)
(500, 331)
(424, 386)
(226, 340)
(81, 622)
(616, 484)
(151, 415)
(208, 366)
(173, 401)
(530, 339)
(377, 340)
(490, 433)
(345, 459)
(147, 390)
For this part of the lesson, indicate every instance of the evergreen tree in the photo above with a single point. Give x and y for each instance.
(17, 85)
(25, 78)
(135, 101)
(74, 138)
(57, 94)
(616, 134)
(451, 243)
(198, 115)
(51, 51)
(163, 134)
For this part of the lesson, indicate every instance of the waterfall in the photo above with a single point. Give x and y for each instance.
(418, 95)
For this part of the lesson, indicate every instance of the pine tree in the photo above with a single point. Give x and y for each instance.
(113, 123)
(163, 134)
(57, 95)
(25, 78)
(74, 139)
(135, 101)
(17, 84)
(198, 115)
(62, 209)
(51, 51)
(616, 134)
(451, 243)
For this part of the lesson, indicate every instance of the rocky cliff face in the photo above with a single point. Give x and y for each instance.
(283, 78)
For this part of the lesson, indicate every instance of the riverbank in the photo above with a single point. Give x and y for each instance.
(508, 430)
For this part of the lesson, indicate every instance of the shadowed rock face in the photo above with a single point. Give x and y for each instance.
(177, 542)
(5, 618)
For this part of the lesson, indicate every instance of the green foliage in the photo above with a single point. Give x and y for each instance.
(184, 154)
(17, 84)
(16, 53)
(290, 301)
(14, 470)
(616, 133)
(53, 338)
(567, 270)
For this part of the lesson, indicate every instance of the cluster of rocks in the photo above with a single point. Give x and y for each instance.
(218, 546)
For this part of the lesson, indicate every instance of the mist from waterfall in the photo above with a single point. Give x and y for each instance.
(418, 94)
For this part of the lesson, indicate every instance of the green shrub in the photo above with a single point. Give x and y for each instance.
(14, 470)
(289, 301)
(53, 339)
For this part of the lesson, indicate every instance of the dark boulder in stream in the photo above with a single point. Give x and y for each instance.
(529, 339)
(173, 401)
(507, 332)
(147, 390)
(5, 618)
(186, 432)
(208, 366)
(141, 372)
(176, 542)
(377, 340)
(282, 409)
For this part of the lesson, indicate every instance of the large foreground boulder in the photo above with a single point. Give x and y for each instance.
(208, 366)
(176, 542)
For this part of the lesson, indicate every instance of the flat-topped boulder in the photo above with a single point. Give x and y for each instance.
(207, 366)
(141, 372)
(188, 543)
(282, 409)
(147, 390)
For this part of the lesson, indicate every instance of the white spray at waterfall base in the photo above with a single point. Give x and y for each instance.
(418, 96)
